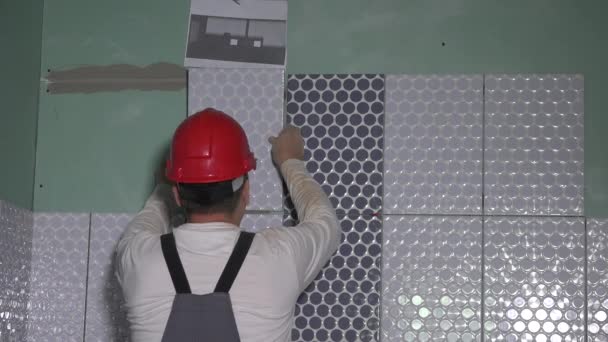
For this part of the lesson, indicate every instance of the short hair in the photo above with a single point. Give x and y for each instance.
(210, 198)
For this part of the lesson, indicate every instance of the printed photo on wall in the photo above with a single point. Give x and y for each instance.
(237, 34)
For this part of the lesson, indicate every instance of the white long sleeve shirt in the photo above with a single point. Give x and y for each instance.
(279, 266)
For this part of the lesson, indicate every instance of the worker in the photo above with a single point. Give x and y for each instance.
(207, 280)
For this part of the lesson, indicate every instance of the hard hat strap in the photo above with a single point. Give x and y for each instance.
(237, 183)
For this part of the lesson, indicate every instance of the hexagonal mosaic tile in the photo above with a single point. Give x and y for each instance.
(342, 303)
(431, 278)
(534, 279)
(341, 118)
(597, 280)
(254, 97)
(534, 148)
(58, 280)
(105, 317)
(15, 262)
(433, 144)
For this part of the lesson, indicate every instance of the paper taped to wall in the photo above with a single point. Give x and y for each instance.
(237, 34)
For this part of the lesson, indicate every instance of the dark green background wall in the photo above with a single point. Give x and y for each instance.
(97, 152)
(20, 32)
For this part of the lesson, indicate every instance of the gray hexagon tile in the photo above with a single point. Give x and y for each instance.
(534, 279)
(341, 119)
(58, 279)
(534, 144)
(597, 280)
(433, 144)
(15, 260)
(254, 97)
(105, 316)
(342, 303)
(431, 278)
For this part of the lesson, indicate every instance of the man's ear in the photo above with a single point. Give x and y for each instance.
(246, 193)
(176, 195)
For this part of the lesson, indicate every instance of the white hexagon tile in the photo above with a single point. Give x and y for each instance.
(597, 280)
(534, 145)
(431, 278)
(434, 147)
(254, 97)
(105, 316)
(534, 280)
(258, 222)
(58, 279)
(15, 261)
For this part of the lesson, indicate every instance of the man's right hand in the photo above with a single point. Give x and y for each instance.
(288, 145)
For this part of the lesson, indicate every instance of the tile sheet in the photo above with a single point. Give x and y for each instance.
(15, 260)
(534, 279)
(534, 144)
(254, 97)
(105, 316)
(431, 278)
(58, 278)
(341, 119)
(433, 144)
(342, 303)
(597, 280)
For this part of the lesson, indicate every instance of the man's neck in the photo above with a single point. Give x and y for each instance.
(208, 218)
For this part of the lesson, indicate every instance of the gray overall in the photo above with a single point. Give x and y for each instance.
(208, 317)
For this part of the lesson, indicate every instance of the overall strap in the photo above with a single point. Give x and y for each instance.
(176, 269)
(235, 262)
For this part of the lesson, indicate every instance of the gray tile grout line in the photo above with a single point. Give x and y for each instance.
(86, 285)
(585, 290)
(482, 215)
(483, 195)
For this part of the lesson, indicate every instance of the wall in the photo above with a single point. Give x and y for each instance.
(98, 152)
(16, 225)
(112, 165)
(20, 31)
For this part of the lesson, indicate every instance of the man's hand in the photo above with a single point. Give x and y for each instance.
(288, 145)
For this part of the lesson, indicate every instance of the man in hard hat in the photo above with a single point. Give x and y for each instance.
(207, 280)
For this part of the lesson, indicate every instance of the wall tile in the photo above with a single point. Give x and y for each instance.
(341, 119)
(254, 97)
(597, 280)
(105, 317)
(534, 279)
(15, 266)
(342, 303)
(58, 278)
(534, 144)
(431, 278)
(433, 144)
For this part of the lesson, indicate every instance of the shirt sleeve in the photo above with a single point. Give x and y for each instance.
(151, 221)
(317, 236)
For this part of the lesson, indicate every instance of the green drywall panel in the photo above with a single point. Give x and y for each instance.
(343, 36)
(99, 152)
(20, 30)
(141, 32)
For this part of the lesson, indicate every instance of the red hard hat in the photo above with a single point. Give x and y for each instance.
(208, 147)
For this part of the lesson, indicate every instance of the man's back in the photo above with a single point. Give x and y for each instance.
(279, 265)
(262, 295)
